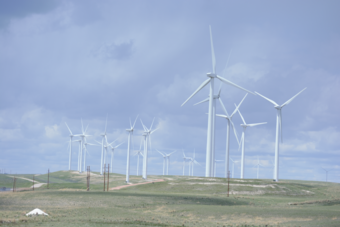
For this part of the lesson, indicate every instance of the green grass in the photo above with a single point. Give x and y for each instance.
(178, 201)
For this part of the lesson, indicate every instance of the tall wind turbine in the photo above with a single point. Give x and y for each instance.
(193, 162)
(139, 152)
(112, 152)
(147, 133)
(70, 153)
(258, 166)
(326, 173)
(229, 120)
(130, 131)
(85, 150)
(233, 166)
(168, 162)
(164, 160)
(104, 141)
(244, 126)
(83, 136)
(79, 151)
(211, 116)
(184, 159)
(278, 129)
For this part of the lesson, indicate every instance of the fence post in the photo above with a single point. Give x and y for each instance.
(104, 175)
(33, 182)
(48, 179)
(108, 177)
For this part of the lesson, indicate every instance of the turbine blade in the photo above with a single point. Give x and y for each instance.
(171, 153)
(221, 115)
(118, 145)
(219, 90)
(234, 129)
(135, 122)
(226, 66)
(152, 124)
(197, 90)
(275, 104)
(235, 85)
(212, 51)
(205, 100)
(106, 123)
(244, 122)
(82, 127)
(242, 138)
(251, 125)
(238, 106)
(86, 128)
(286, 103)
(224, 109)
(68, 129)
(145, 129)
(154, 131)
(160, 153)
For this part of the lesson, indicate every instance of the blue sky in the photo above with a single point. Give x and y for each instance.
(61, 61)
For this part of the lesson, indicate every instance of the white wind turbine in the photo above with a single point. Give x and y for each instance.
(139, 152)
(70, 145)
(278, 129)
(86, 151)
(147, 137)
(184, 158)
(233, 166)
(244, 126)
(83, 137)
(79, 151)
(326, 173)
(229, 118)
(130, 130)
(211, 116)
(164, 160)
(215, 166)
(168, 162)
(258, 166)
(193, 162)
(112, 152)
(104, 145)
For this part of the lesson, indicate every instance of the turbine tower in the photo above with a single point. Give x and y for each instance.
(184, 158)
(85, 151)
(147, 137)
(139, 152)
(130, 131)
(229, 118)
(326, 173)
(164, 160)
(193, 160)
(112, 152)
(244, 126)
(104, 141)
(278, 129)
(233, 166)
(70, 153)
(211, 116)
(168, 162)
(258, 166)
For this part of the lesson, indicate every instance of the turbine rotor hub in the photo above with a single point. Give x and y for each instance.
(211, 75)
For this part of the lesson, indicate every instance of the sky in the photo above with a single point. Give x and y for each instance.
(63, 61)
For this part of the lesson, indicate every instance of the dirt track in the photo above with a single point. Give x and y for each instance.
(129, 185)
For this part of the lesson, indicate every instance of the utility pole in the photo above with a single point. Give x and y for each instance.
(14, 181)
(108, 176)
(48, 179)
(33, 182)
(88, 178)
(228, 182)
(104, 176)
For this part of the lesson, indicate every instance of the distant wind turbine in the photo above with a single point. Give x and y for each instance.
(258, 166)
(70, 145)
(278, 129)
(326, 172)
(233, 166)
(244, 126)
(130, 130)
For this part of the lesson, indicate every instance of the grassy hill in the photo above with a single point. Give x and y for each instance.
(177, 201)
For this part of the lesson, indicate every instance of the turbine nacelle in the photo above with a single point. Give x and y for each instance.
(211, 75)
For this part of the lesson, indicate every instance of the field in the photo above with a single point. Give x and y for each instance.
(177, 201)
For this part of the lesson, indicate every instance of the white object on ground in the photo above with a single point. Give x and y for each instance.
(36, 212)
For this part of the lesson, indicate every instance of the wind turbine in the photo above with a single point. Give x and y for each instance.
(168, 162)
(70, 153)
(139, 152)
(326, 173)
(258, 166)
(193, 160)
(233, 166)
(211, 116)
(85, 151)
(112, 151)
(184, 158)
(82, 136)
(229, 118)
(215, 166)
(147, 136)
(278, 129)
(244, 126)
(104, 140)
(130, 131)
(79, 151)
(164, 160)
